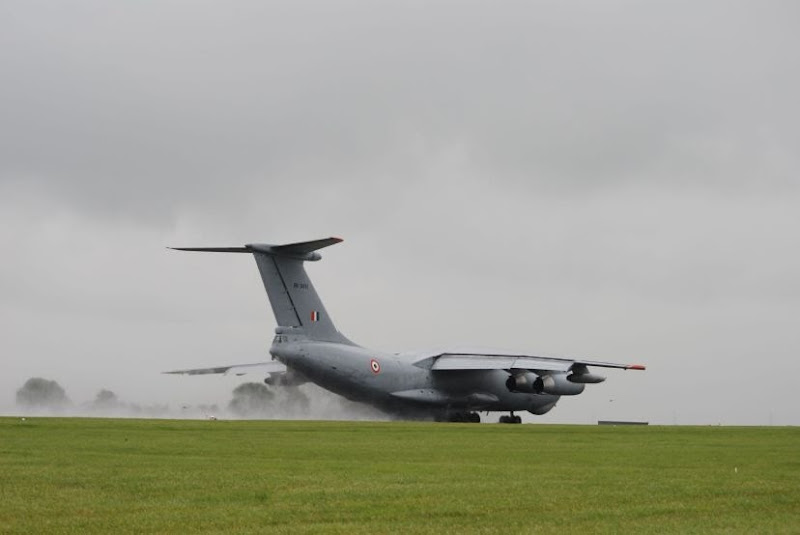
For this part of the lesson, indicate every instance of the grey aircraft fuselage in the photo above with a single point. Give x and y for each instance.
(435, 384)
(370, 376)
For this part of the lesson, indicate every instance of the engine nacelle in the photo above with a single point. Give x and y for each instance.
(585, 378)
(557, 385)
(522, 382)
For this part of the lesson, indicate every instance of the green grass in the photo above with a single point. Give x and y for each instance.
(63, 475)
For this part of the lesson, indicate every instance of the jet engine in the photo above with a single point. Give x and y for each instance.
(558, 385)
(522, 382)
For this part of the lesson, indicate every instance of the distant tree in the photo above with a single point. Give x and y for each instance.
(38, 393)
(106, 399)
(251, 399)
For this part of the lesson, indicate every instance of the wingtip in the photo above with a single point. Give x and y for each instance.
(635, 367)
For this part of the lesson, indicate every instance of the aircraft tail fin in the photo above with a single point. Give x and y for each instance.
(293, 298)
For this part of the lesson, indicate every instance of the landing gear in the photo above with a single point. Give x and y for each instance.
(510, 419)
(468, 417)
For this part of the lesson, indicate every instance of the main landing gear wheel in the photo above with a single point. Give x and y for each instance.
(469, 417)
(510, 419)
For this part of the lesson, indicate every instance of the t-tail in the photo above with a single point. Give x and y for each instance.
(294, 300)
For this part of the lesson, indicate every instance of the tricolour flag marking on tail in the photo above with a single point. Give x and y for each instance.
(314, 315)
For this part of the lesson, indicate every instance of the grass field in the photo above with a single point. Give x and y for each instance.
(64, 475)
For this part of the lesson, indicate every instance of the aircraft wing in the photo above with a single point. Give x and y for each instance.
(272, 366)
(507, 361)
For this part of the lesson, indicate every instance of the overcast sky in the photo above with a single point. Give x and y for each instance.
(616, 180)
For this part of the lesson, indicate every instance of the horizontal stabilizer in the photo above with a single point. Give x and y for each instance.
(272, 366)
(306, 247)
(299, 251)
(213, 249)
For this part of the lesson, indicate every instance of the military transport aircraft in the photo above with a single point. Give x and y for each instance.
(445, 386)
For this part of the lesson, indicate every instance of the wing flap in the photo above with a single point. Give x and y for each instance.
(500, 361)
(489, 362)
(472, 362)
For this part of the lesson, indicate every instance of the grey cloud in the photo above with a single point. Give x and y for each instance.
(145, 110)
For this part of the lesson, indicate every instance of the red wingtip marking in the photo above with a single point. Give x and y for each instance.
(636, 367)
(337, 238)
